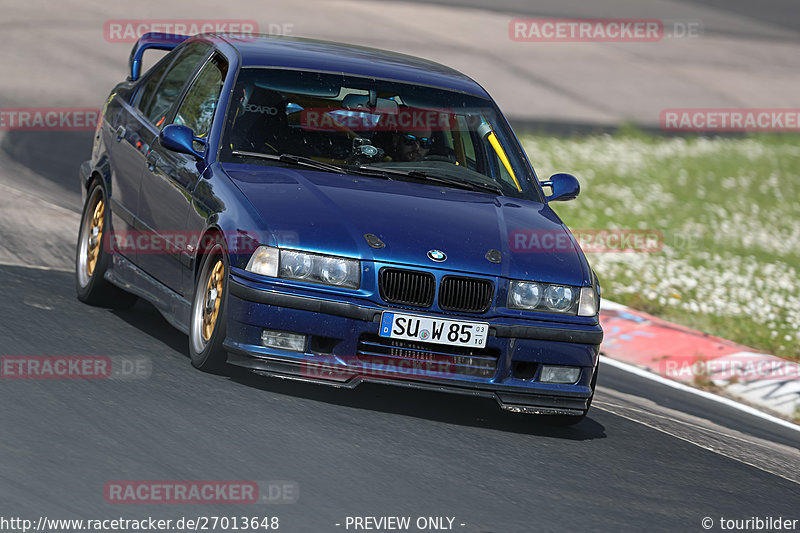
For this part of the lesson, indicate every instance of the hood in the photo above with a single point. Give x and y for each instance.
(331, 213)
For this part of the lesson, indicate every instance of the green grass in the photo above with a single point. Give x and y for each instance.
(729, 212)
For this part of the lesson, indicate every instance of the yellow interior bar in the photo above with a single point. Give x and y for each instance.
(458, 146)
(503, 157)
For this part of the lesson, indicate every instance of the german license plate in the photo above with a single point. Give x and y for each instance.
(435, 330)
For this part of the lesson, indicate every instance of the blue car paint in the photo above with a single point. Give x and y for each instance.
(302, 54)
(410, 218)
(330, 213)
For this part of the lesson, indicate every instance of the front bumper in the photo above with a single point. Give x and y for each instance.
(344, 350)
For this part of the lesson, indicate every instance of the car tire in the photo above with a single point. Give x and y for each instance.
(208, 323)
(92, 257)
(571, 420)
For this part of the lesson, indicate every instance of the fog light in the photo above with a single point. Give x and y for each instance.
(560, 374)
(283, 340)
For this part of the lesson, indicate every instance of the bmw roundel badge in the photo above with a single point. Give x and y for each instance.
(437, 255)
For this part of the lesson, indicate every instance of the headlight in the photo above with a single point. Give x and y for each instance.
(559, 298)
(296, 265)
(303, 266)
(524, 295)
(334, 270)
(533, 296)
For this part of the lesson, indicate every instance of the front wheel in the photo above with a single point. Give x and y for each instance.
(208, 322)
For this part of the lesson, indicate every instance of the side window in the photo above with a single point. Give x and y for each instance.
(150, 84)
(466, 142)
(168, 91)
(197, 109)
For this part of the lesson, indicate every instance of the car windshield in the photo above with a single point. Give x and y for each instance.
(403, 130)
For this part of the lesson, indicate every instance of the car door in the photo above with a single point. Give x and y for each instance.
(129, 144)
(170, 178)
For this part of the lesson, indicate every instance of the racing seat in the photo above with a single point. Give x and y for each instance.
(261, 125)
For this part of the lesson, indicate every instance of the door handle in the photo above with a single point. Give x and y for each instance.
(120, 133)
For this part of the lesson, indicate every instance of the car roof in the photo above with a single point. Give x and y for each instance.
(309, 54)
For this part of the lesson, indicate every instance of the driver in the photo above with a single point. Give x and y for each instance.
(411, 145)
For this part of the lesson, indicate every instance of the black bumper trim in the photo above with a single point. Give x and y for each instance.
(556, 402)
(543, 333)
(541, 400)
(305, 303)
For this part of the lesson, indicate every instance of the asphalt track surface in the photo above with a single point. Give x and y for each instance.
(647, 458)
(781, 13)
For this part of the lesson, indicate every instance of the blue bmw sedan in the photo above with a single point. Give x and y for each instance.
(338, 214)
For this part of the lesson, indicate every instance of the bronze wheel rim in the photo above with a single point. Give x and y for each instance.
(212, 299)
(95, 237)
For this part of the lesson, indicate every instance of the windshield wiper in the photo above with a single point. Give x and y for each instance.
(294, 160)
(376, 172)
(307, 161)
(425, 176)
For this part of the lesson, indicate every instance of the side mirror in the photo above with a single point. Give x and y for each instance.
(564, 186)
(180, 139)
